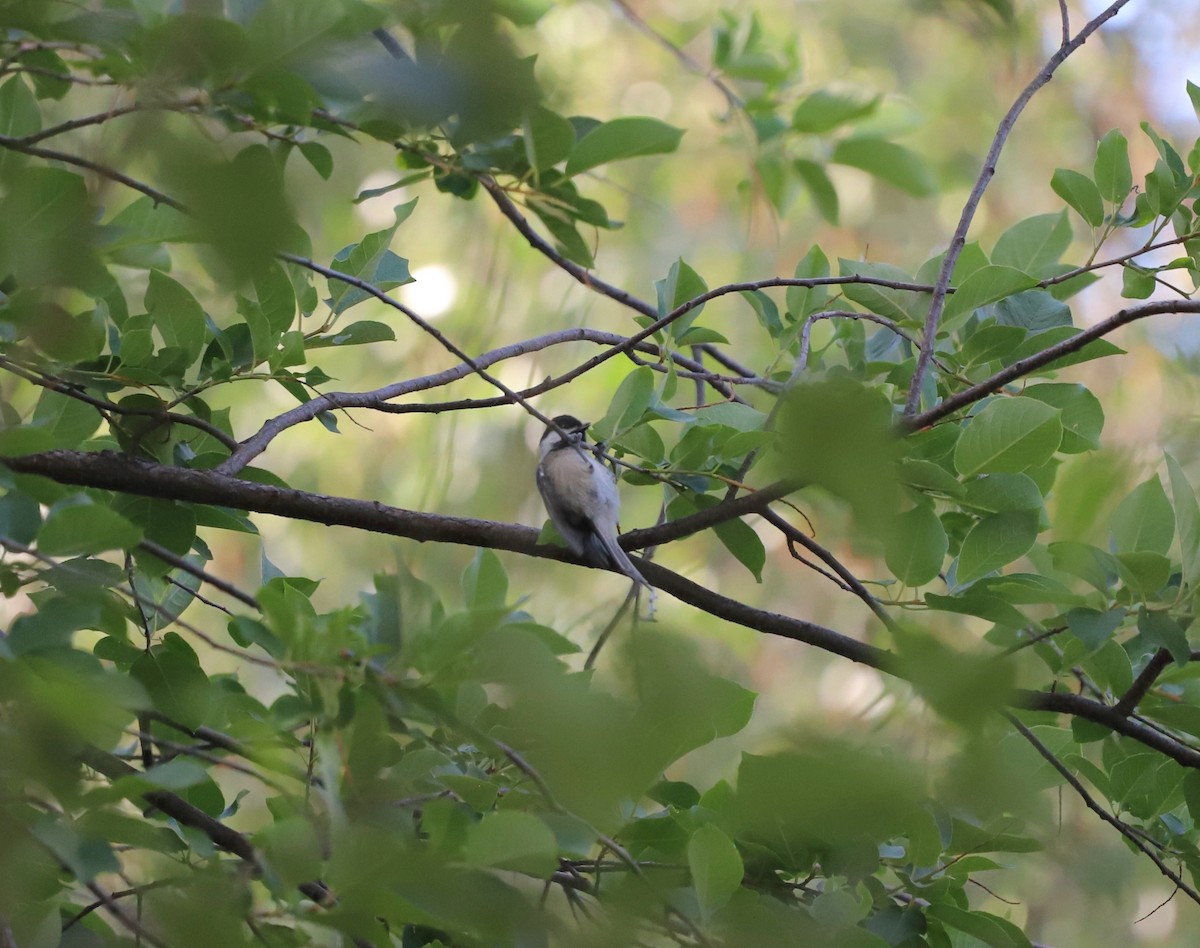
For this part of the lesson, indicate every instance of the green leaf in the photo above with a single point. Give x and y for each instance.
(485, 584)
(1033, 243)
(85, 528)
(997, 492)
(512, 840)
(319, 157)
(1144, 520)
(820, 188)
(895, 164)
(1009, 435)
(681, 285)
(1089, 563)
(67, 420)
(549, 138)
(20, 517)
(371, 261)
(744, 543)
(1162, 630)
(1080, 193)
(1187, 519)
(804, 300)
(629, 404)
(1191, 783)
(172, 676)
(986, 606)
(995, 541)
(1082, 416)
(1094, 628)
(1033, 310)
(929, 476)
(622, 138)
(281, 29)
(826, 109)
(144, 225)
(916, 546)
(884, 301)
(838, 434)
(984, 286)
(19, 116)
(85, 857)
(176, 314)
(360, 333)
(991, 930)
(1114, 179)
(1145, 573)
(1137, 283)
(716, 867)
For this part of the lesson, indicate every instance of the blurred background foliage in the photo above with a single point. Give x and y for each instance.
(857, 126)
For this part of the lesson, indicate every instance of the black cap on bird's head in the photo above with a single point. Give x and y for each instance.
(568, 424)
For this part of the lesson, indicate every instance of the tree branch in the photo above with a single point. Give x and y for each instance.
(1119, 825)
(1143, 683)
(958, 241)
(1046, 356)
(1108, 716)
(131, 476)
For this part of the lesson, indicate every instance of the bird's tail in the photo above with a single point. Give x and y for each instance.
(607, 551)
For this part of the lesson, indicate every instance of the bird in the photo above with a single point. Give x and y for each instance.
(580, 495)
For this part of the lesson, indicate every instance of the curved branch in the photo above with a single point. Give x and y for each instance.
(959, 240)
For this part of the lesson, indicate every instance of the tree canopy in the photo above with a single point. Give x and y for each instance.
(877, 324)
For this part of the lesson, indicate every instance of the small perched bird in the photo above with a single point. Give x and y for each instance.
(581, 496)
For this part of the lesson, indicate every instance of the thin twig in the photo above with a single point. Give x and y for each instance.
(732, 98)
(16, 144)
(179, 562)
(852, 582)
